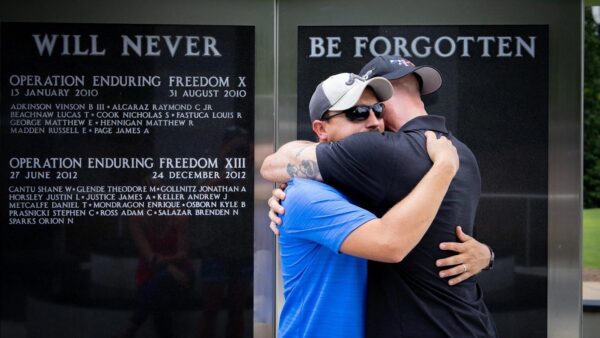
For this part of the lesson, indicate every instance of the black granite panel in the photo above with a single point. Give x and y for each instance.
(495, 99)
(127, 168)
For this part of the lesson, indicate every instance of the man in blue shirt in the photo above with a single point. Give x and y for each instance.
(325, 238)
(408, 299)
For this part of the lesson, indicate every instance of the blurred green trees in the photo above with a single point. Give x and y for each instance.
(591, 113)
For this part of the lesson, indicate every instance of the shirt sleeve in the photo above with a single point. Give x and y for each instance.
(358, 165)
(318, 213)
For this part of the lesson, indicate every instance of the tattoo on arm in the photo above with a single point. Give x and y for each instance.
(306, 169)
(303, 165)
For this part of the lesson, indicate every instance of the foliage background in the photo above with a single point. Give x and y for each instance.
(591, 115)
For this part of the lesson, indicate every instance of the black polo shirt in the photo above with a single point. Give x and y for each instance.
(409, 299)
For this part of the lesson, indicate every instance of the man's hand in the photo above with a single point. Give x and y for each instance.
(441, 151)
(472, 257)
(275, 208)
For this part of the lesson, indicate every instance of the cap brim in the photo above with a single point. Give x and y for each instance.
(432, 80)
(381, 86)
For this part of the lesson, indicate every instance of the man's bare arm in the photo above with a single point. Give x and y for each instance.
(392, 237)
(469, 251)
(293, 159)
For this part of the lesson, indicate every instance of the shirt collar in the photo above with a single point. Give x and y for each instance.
(426, 122)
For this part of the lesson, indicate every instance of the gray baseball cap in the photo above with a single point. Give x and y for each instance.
(342, 91)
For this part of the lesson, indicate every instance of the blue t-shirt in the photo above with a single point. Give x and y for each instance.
(324, 290)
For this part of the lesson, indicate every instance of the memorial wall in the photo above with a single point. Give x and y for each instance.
(131, 203)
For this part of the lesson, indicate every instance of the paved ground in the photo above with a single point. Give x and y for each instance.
(591, 290)
(591, 284)
(591, 275)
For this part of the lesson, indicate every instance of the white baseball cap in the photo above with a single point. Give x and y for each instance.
(342, 91)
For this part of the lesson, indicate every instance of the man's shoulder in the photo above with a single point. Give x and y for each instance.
(311, 204)
(462, 148)
(302, 190)
(366, 142)
(385, 137)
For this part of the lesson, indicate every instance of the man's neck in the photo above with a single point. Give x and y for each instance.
(407, 118)
(415, 111)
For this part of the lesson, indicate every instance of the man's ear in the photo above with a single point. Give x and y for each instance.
(320, 129)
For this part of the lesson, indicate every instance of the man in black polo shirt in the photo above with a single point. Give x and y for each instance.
(408, 299)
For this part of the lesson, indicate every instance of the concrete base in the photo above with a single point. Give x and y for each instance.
(591, 309)
(591, 324)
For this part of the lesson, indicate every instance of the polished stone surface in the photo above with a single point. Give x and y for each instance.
(498, 106)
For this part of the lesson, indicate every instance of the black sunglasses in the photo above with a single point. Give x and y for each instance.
(359, 112)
